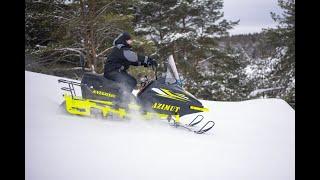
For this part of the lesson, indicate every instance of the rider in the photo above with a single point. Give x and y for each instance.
(119, 60)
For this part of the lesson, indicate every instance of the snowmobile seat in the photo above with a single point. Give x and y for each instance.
(95, 86)
(97, 81)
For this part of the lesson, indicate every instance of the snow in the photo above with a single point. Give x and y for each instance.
(261, 67)
(251, 140)
(175, 36)
(250, 70)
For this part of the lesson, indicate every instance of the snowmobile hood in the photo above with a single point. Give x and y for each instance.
(169, 98)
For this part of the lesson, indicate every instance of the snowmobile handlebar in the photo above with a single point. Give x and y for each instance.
(146, 80)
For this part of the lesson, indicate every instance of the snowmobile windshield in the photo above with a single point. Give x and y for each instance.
(169, 78)
(172, 75)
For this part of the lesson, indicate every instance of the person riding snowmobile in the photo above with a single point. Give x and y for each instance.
(120, 59)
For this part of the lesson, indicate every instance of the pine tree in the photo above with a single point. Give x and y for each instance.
(282, 39)
(41, 20)
(186, 29)
(79, 30)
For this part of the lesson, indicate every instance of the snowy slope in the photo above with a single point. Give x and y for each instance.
(251, 140)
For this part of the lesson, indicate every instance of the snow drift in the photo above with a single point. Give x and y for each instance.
(252, 139)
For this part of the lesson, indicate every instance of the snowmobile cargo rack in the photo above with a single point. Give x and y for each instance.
(70, 87)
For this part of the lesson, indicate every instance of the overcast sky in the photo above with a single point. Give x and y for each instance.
(253, 14)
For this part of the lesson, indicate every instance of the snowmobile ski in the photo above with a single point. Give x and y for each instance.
(209, 125)
(193, 122)
(191, 126)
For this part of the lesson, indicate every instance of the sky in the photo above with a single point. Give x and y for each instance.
(253, 14)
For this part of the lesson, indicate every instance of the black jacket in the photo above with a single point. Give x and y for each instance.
(121, 57)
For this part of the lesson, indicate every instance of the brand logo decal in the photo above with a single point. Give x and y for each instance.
(103, 93)
(165, 107)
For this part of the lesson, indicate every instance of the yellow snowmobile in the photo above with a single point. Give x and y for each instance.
(160, 98)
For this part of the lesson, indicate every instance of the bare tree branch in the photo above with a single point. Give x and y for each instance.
(103, 9)
(104, 51)
(202, 61)
(78, 50)
(70, 69)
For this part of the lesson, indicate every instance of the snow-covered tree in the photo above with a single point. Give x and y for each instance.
(187, 29)
(283, 39)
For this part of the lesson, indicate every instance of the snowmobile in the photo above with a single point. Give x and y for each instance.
(161, 98)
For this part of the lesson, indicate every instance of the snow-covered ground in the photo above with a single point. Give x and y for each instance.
(251, 140)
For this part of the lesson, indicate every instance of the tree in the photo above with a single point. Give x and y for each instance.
(40, 22)
(78, 30)
(186, 29)
(282, 39)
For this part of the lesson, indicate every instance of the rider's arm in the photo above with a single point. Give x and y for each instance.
(134, 58)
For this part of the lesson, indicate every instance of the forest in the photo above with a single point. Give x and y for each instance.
(66, 37)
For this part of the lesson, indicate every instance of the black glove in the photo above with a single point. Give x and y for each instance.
(152, 62)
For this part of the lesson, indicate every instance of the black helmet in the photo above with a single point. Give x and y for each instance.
(122, 39)
(126, 36)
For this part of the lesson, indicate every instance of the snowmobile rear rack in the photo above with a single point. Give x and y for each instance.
(71, 85)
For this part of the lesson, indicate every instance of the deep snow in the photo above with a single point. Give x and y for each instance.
(252, 139)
